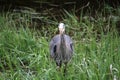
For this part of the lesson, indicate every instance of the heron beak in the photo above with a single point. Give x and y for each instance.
(61, 30)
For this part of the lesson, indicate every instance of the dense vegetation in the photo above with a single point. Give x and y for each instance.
(24, 50)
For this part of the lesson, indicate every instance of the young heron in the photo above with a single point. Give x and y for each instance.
(61, 47)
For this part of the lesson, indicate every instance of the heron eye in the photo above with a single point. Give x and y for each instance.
(55, 48)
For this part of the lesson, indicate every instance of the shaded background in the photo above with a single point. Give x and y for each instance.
(66, 4)
(54, 8)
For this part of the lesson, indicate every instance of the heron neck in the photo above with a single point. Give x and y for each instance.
(62, 45)
(62, 39)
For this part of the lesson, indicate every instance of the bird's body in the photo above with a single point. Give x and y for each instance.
(61, 47)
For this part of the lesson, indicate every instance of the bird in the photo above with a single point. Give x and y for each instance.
(61, 47)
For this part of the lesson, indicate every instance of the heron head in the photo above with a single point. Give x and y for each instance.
(61, 27)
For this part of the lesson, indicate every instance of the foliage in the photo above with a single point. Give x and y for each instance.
(24, 52)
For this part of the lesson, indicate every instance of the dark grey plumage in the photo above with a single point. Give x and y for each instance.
(61, 47)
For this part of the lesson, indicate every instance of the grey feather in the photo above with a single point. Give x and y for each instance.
(58, 54)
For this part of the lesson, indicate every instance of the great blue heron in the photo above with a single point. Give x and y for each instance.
(61, 47)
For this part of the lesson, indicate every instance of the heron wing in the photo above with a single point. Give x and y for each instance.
(69, 42)
(53, 45)
(71, 46)
(52, 48)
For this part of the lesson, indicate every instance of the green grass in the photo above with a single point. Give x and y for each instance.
(24, 52)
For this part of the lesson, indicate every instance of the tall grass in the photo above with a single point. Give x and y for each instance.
(24, 52)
